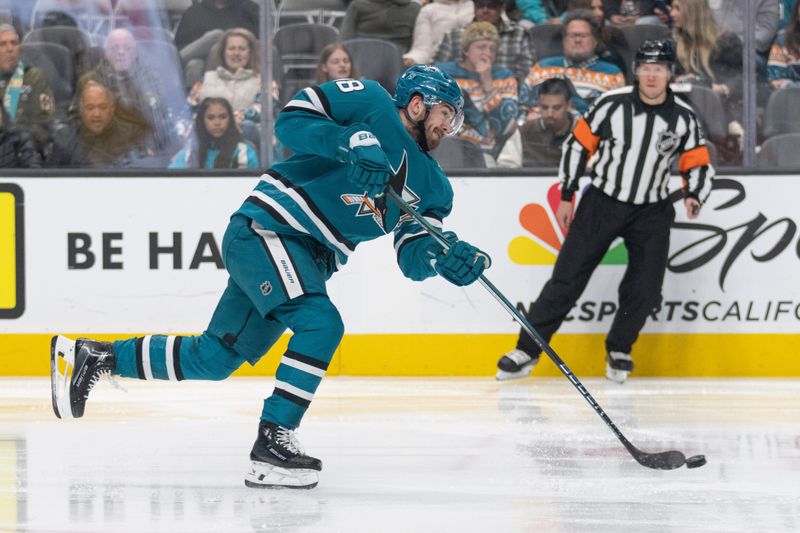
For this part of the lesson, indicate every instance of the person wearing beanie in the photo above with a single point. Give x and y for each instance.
(515, 49)
(490, 96)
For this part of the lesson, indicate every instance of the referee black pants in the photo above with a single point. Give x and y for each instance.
(598, 220)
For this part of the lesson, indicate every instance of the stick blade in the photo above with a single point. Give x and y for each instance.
(669, 460)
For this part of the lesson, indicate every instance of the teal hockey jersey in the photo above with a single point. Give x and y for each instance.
(310, 194)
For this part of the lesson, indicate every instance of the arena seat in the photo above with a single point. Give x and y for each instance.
(780, 152)
(546, 39)
(328, 12)
(708, 107)
(782, 114)
(376, 59)
(300, 45)
(92, 16)
(78, 42)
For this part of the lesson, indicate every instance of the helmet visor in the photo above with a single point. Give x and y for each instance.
(454, 116)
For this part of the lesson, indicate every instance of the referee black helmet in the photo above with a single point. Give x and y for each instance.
(655, 51)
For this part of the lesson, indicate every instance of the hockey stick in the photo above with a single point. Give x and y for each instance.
(668, 460)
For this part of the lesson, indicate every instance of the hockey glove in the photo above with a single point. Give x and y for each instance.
(368, 166)
(462, 263)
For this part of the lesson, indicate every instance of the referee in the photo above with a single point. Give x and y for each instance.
(629, 141)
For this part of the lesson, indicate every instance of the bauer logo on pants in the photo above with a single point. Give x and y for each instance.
(12, 271)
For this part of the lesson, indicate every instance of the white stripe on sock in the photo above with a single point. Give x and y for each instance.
(294, 390)
(299, 365)
(148, 372)
(170, 360)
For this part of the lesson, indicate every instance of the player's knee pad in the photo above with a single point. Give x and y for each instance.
(317, 326)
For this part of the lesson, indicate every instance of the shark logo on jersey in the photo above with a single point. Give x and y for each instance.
(667, 142)
(376, 208)
(365, 207)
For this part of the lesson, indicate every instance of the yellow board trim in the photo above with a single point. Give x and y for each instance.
(655, 355)
(8, 251)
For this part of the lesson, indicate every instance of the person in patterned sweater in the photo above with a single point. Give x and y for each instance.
(490, 96)
(580, 63)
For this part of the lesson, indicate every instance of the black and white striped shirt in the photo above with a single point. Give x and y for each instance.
(630, 146)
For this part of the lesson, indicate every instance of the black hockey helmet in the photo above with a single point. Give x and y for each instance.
(655, 51)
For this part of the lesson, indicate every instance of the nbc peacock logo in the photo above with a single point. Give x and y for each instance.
(545, 236)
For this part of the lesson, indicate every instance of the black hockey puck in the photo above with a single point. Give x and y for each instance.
(695, 461)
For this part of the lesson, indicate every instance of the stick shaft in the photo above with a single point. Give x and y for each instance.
(520, 318)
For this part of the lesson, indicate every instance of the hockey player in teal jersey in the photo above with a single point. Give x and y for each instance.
(351, 140)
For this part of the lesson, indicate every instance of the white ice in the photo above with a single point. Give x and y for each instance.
(407, 455)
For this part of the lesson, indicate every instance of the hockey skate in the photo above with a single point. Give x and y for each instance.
(279, 461)
(515, 364)
(75, 367)
(618, 366)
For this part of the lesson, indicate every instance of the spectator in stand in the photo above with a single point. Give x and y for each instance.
(204, 22)
(628, 12)
(436, 19)
(490, 96)
(611, 37)
(783, 68)
(26, 95)
(515, 49)
(335, 63)
(217, 142)
(787, 7)
(237, 79)
(707, 54)
(543, 138)
(537, 12)
(580, 63)
(17, 147)
(137, 87)
(390, 20)
(729, 14)
(102, 135)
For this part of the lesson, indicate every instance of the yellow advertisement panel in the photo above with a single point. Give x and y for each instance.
(12, 297)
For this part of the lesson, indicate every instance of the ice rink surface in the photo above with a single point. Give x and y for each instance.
(407, 455)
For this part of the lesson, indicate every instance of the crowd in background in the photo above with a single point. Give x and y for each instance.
(147, 84)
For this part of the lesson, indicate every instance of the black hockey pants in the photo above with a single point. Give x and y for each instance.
(598, 220)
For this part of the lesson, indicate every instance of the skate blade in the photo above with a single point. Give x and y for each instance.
(62, 364)
(267, 476)
(523, 372)
(617, 376)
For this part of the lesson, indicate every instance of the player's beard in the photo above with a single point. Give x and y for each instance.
(434, 139)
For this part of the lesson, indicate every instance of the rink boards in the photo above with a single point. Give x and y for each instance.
(117, 257)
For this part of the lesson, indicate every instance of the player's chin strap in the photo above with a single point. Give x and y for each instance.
(423, 139)
(667, 460)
